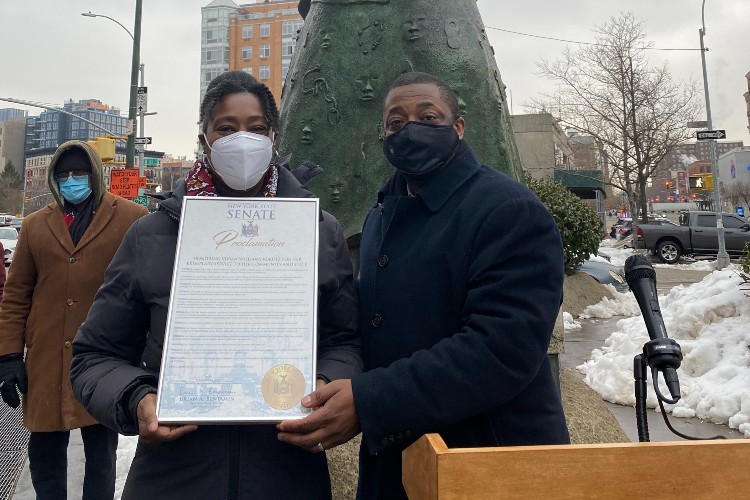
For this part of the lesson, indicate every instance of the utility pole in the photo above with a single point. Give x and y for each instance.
(142, 130)
(130, 152)
(722, 258)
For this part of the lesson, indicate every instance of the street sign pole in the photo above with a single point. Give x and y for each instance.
(722, 259)
(141, 113)
(130, 149)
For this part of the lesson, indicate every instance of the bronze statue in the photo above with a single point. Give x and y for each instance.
(347, 55)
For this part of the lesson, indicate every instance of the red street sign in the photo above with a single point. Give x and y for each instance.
(124, 182)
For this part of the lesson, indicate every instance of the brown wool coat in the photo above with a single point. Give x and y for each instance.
(50, 288)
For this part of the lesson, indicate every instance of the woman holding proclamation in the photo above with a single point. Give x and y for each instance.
(118, 350)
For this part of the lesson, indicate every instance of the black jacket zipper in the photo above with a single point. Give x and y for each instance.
(233, 490)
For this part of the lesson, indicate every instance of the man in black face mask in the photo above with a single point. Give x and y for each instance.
(461, 282)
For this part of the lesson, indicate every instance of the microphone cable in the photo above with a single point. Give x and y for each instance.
(662, 399)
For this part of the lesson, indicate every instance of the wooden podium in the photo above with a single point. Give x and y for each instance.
(713, 469)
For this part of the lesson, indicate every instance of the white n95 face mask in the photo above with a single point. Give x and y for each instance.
(241, 159)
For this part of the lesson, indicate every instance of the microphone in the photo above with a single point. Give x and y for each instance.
(661, 352)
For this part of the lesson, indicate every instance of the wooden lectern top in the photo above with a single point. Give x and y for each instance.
(666, 470)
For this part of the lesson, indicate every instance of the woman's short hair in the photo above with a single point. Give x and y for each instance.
(234, 82)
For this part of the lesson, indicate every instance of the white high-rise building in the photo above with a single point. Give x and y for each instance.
(215, 40)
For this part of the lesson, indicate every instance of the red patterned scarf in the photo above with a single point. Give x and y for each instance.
(200, 182)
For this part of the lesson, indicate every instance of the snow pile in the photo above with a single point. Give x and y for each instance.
(621, 304)
(709, 320)
(698, 265)
(569, 323)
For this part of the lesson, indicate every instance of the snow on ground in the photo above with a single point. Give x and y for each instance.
(622, 304)
(125, 452)
(709, 320)
(698, 265)
(569, 323)
(617, 253)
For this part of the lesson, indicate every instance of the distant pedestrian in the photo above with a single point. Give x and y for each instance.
(2, 273)
(58, 266)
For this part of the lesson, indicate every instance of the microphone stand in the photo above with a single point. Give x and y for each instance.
(641, 377)
(660, 354)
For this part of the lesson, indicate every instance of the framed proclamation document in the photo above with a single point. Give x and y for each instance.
(241, 337)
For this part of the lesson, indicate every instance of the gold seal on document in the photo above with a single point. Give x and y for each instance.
(283, 387)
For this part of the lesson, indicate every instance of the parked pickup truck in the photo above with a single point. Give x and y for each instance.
(696, 235)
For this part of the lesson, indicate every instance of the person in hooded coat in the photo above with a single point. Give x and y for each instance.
(58, 266)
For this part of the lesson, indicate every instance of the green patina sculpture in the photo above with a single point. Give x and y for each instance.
(347, 55)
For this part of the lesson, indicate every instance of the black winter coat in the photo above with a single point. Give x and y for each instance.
(459, 291)
(119, 348)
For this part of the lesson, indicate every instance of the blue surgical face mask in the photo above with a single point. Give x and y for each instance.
(75, 189)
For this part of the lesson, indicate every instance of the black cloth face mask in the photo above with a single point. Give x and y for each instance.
(420, 149)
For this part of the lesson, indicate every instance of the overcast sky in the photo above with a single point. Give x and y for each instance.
(50, 53)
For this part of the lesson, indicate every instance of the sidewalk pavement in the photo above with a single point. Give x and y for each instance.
(13, 440)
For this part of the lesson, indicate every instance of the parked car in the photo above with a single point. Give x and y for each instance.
(605, 273)
(9, 238)
(622, 227)
(625, 226)
(16, 223)
(695, 235)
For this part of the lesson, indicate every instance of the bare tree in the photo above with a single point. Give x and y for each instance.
(738, 193)
(11, 192)
(611, 92)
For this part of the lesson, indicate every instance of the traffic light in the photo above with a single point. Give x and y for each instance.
(701, 182)
(105, 147)
(25, 199)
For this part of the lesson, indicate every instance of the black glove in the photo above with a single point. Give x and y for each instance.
(12, 379)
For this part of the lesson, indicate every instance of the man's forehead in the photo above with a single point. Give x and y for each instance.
(420, 94)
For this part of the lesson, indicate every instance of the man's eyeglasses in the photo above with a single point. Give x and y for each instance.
(61, 176)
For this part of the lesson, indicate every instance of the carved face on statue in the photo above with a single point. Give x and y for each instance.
(308, 127)
(413, 28)
(326, 41)
(366, 81)
(336, 191)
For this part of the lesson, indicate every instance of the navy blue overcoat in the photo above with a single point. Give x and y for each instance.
(460, 288)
